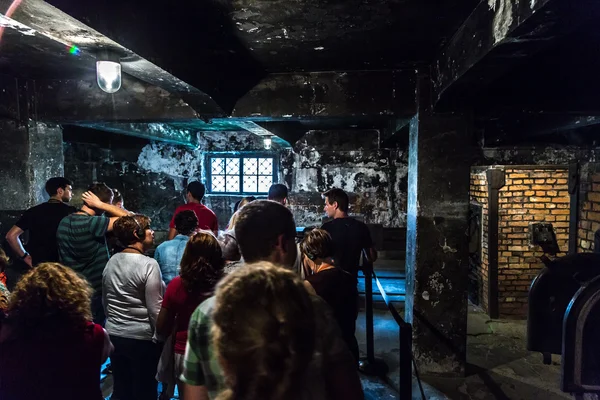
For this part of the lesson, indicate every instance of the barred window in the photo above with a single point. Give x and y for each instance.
(240, 174)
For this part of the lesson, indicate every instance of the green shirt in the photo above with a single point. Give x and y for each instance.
(201, 367)
(82, 246)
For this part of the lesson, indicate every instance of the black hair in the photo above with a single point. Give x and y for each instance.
(196, 189)
(186, 222)
(278, 192)
(104, 193)
(118, 196)
(53, 184)
(259, 226)
(337, 195)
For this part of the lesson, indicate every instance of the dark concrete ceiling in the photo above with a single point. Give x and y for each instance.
(225, 47)
(316, 35)
(563, 77)
(27, 54)
(246, 58)
(552, 98)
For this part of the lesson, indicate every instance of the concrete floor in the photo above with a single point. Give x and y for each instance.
(499, 366)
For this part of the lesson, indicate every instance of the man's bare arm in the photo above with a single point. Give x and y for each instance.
(172, 233)
(373, 254)
(91, 200)
(12, 237)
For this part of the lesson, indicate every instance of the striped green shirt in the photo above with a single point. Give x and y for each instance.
(82, 246)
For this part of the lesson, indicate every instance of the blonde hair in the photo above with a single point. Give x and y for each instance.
(263, 333)
(233, 220)
(50, 294)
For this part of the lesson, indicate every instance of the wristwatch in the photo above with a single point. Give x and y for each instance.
(24, 255)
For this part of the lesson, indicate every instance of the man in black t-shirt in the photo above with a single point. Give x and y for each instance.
(349, 235)
(42, 222)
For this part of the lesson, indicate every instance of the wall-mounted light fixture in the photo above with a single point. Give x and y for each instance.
(108, 71)
(268, 142)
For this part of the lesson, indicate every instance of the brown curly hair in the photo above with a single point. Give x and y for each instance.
(4, 260)
(263, 333)
(131, 229)
(50, 294)
(317, 244)
(202, 263)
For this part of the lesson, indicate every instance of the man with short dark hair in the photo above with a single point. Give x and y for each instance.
(207, 219)
(279, 193)
(41, 222)
(81, 239)
(169, 253)
(266, 232)
(349, 235)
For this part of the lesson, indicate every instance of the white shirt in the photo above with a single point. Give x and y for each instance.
(132, 292)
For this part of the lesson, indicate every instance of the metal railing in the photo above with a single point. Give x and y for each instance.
(373, 366)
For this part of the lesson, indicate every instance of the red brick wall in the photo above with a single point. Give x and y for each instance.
(589, 216)
(530, 195)
(479, 195)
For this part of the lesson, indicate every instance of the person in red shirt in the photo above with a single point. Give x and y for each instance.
(201, 268)
(207, 219)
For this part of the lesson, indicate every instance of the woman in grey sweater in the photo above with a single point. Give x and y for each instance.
(132, 290)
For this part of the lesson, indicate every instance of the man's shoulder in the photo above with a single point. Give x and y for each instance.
(182, 207)
(327, 224)
(346, 222)
(201, 207)
(53, 206)
(164, 244)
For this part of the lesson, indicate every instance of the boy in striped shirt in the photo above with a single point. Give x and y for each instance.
(82, 243)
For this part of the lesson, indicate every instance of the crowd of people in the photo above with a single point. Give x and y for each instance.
(245, 312)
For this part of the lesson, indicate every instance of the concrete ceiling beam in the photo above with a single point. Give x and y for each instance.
(258, 130)
(498, 36)
(37, 17)
(330, 94)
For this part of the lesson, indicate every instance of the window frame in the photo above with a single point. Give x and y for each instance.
(241, 156)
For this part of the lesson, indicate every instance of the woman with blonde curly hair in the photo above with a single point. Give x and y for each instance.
(201, 269)
(264, 334)
(49, 348)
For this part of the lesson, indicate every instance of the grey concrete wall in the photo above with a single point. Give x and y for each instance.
(375, 178)
(29, 155)
(152, 176)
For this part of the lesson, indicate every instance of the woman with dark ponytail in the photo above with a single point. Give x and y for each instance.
(264, 333)
(201, 268)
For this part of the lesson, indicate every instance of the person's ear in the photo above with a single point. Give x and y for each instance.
(281, 243)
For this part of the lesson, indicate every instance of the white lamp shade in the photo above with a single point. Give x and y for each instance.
(267, 141)
(108, 74)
